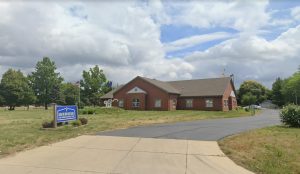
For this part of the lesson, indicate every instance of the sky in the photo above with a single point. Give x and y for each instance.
(161, 39)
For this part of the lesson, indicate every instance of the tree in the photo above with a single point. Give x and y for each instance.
(2, 101)
(277, 95)
(291, 89)
(248, 99)
(15, 89)
(69, 93)
(46, 82)
(94, 85)
(254, 88)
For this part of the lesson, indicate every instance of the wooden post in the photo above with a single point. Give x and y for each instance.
(77, 112)
(54, 116)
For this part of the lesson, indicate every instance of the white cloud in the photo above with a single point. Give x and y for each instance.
(196, 39)
(122, 38)
(240, 15)
(125, 40)
(295, 13)
(251, 57)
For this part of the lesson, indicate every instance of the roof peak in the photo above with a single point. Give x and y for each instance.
(201, 79)
(225, 77)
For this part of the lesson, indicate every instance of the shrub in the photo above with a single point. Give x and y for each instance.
(83, 121)
(76, 123)
(247, 109)
(90, 111)
(81, 105)
(47, 124)
(87, 111)
(290, 115)
(82, 112)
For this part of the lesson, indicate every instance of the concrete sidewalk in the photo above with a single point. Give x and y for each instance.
(122, 155)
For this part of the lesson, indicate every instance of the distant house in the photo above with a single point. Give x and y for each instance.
(268, 104)
(141, 93)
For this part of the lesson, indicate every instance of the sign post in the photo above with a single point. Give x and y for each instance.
(54, 113)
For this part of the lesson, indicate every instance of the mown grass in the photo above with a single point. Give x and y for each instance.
(21, 129)
(272, 150)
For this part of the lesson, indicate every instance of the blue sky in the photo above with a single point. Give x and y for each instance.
(278, 9)
(163, 39)
(170, 33)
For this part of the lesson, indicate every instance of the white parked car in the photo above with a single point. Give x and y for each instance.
(255, 106)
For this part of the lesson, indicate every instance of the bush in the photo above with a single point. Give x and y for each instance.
(247, 109)
(76, 123)
(81, 105)
(83, 121)
(290, 115)
(87, 111)
(84, 112)
(47, 124)
(91, 111)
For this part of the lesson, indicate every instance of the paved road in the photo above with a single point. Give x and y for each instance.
(210, 130)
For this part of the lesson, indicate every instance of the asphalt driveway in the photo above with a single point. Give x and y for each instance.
(210, 130)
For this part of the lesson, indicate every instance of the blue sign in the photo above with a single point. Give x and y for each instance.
(66, 113)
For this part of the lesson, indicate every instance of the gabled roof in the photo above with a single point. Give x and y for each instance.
(201, 87)
(162, 85)
(110, 93)
(186, 88)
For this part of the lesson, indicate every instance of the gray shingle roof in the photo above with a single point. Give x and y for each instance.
(186, 88)
(162, 85)
(201, 87)
(110, 93)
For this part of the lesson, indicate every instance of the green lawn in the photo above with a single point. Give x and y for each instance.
(272, 150)
(21, 129)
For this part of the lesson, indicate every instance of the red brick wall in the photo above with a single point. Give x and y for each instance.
(130, 97)
(232, 103)
(173, 98)
(199, 103)
(153, 93)
(147, 101)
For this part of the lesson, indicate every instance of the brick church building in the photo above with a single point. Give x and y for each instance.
(141, 93)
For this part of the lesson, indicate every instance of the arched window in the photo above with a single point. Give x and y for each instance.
(136, 103)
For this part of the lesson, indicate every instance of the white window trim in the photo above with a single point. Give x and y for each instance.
(225, 102)
(156, 106)
(186, 103)
(136, 104)
(206, 103)
(121, 101)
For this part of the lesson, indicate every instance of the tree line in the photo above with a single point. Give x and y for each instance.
(283, 92)
(44, 86)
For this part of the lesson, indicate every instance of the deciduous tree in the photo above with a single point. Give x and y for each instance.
(70, 93)
(253, 88)
(248, 99)
(94, 85)
(46, 82)
(15, 89)
(277, 95)
(291, 89)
